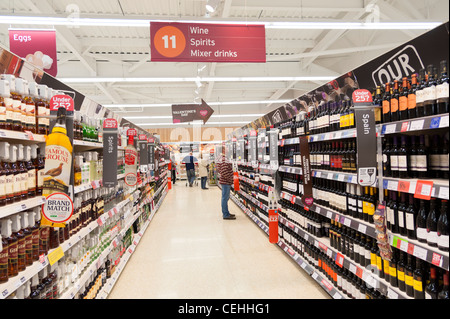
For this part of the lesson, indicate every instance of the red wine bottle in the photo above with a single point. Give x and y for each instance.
(443, 294)
(421, 222)
(432, 219)
(431, 290)
(443, 227)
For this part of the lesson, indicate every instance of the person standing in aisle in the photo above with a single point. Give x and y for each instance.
(174, 168)
(203, 170)
(225, 171)
(190, 167)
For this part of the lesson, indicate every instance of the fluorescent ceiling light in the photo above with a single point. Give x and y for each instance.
(209, 103)
(202, 79)
(190, 124)
(56, 21)
(169, 116)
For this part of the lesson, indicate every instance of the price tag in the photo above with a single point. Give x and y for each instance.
(403, 186)
(362, 228)
(55, 255)
(435, 122)
(420, 253)
(392, 294)
(293, 199)
(390, 128)
(392, 185)
(416, 125)
(444, 121)
(423, 190)
(341, 177)
(443, 192)
(352, 268)
(329, 214)
(339, 260)
(405, 126)
(437, 260)
(347, 222)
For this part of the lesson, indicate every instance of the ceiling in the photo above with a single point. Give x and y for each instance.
(124, 52)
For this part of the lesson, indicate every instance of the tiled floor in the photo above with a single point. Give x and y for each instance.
(189, 251)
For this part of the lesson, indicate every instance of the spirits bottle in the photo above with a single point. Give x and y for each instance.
(41, 109)
(18, 233)
(4, 96)
(403, 100)
(23, 172)
(58, 157)
(28, 239)
(15, 171)
(5, 241)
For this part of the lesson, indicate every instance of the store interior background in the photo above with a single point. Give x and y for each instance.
(124, 52)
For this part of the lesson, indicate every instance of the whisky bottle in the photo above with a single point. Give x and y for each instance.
(41, 109)
(58, 157)
(4, 95)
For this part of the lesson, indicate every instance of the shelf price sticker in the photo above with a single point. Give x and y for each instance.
(437, 260)
(423, 190)
(339, 260)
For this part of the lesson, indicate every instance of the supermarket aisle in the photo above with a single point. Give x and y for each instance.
(189, 251)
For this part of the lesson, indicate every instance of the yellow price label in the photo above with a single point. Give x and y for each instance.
(55, 255)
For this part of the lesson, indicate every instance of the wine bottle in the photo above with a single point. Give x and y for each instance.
(402, 157)
(387, 104)
(430, 93)
(394, 158)
(442, 90)
(418, 280)
(410, 218)
(443, 227)
(421, 222)
(409, 273)
(395, 102)
(394, 213)
(443, 294)
(403, 100)
(444, 160)
(393, 279)
(431, 223)
(431, 290)
(420, 93)
(378, 103)
(412, 99)
(434, 158)
(387, 157)
(402, 214)
(401, 268)
(421, 159)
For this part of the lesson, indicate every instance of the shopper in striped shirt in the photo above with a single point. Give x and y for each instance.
(225, 170)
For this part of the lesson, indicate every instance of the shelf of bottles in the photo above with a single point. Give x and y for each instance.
(412, 128)
(50, 263)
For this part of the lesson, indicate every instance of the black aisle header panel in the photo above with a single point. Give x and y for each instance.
(400, 62)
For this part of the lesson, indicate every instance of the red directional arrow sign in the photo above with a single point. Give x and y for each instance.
(182, 113)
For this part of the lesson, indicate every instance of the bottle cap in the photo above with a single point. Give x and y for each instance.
(4, 151)
(13, 153)
(4, 88)
(33, 151)
(20, 86)
(42, 91)
(33, 89)
(20, 156)
(24, 219)
(6, 227)
(15, 223)
(12, 81)
(27, 153)
(35, 280)
(31, 220)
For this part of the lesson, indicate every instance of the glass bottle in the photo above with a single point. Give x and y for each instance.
(442, 90)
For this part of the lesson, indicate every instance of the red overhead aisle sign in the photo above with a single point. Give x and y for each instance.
(207, 42)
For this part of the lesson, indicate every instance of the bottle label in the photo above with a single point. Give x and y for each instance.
(432, 237)
(442, 91)
(9, 181)
(419, 96)
(58, 166)
(443, 241)
(40, 178)
(386, 107)
(409, 280)
(4, 259)
(394, 105)
(2, 113)
(2, 186)
(31, 118)
(409, 218)
(403, 103)
(429, 93)
(402, 163)
(17, 187)
(444, 162)
(394, 162)
(24, 182)
(421, 163)
(31, 179)
(412, 101)
(401, 223)
(17, 114)
(435, 161)
(421, 233)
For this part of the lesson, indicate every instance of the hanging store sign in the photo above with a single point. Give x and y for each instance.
(365, 137)
(253, 148)
(207, 42)
(307, 198)
(35, 46)
(110, 131)
(182, 113)
(143, 152)
(273, 149)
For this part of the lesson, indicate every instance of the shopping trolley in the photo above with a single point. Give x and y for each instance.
(196, 176)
